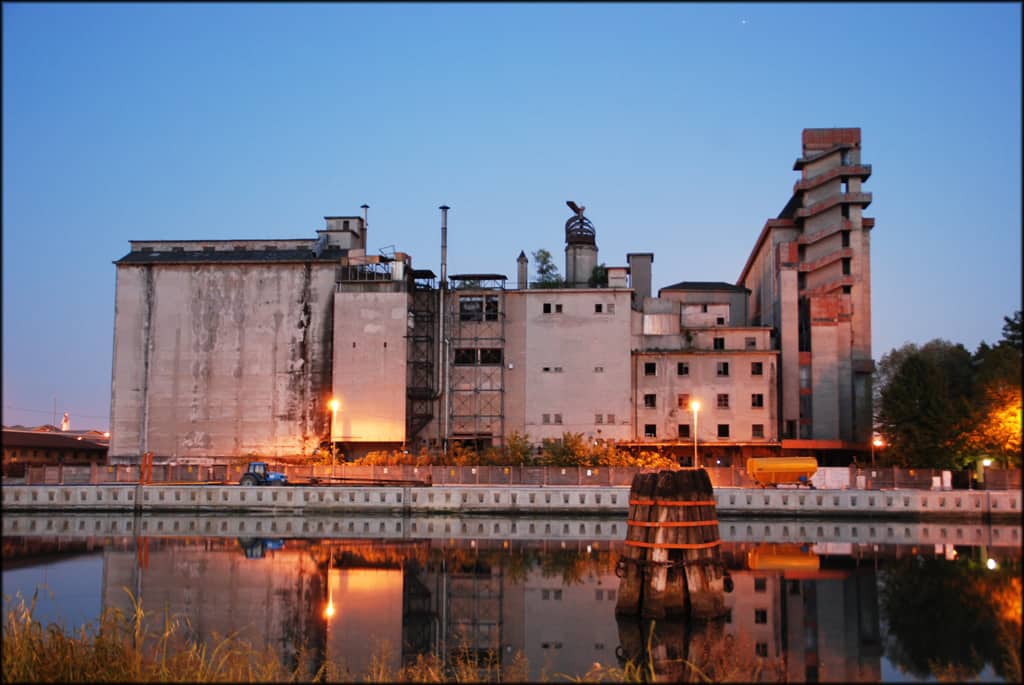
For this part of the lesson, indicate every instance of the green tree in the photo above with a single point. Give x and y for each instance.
(599, 276)
(547, 271)
(921, 408)
(1013, 335)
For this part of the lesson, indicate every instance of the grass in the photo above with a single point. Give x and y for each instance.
(117, 648)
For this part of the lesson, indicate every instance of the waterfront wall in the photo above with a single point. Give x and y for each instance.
(971, 505)
(835, 536)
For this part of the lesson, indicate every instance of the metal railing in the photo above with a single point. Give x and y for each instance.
(734, 476)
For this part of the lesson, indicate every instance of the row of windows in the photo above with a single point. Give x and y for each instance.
(722, 401)
(599, 419)
(488, 356)
(721, 368)
(756, 430)
(599, 308)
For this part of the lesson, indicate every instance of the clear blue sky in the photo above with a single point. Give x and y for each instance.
(675, 124)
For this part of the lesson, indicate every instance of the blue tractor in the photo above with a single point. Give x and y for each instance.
(257, 473)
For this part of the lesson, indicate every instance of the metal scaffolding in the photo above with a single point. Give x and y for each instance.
(422, 382)
(476, 392)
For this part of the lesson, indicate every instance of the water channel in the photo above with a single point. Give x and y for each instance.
(816, 603)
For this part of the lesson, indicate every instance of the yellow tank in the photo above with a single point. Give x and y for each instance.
(782, 558)
(776, 470)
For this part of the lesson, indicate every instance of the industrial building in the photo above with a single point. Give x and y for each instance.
(234, 348)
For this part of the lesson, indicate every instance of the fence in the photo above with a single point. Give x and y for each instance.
(861, 478)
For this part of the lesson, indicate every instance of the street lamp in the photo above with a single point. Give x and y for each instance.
(695, 406)
(876, 443)
(333, 405)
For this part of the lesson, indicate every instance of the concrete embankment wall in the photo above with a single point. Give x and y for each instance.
(972, 505)
(830, 535)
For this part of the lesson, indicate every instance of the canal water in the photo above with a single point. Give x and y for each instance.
(816, 604)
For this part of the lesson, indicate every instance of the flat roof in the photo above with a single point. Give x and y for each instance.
(328, 254)
(706, 285)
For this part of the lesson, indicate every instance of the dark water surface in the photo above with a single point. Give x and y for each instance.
(815, 602)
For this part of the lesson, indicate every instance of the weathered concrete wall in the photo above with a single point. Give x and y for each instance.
(577, 362)
(370, 356)
(221, 359)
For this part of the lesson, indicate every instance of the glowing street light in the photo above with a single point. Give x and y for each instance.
(876, 443)
(695, 406)
(333, 405)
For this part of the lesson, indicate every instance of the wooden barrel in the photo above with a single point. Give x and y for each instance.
(671, 566)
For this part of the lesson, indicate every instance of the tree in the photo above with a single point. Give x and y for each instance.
(924, 397)
(599, 277)
(547, 271)
(1013, 335)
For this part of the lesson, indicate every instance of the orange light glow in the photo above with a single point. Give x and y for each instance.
(877, 442)
(329, 611)
(334, 404)
(695, 405)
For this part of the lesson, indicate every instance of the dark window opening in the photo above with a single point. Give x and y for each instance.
(760, 585)
(465, 357)
(683, 401)
(846, 238)
(682, 369)
(756, 368)
(720, 321)
(719, 343)
(597, 308)
(846, 266)
(757, 430)
(650, 430)
(760, 615)
(684, 430)
(757, 400)
(558, 309)
(723, 401)
(490, 356)
(847, 289)
(704, 309)
(650, 369)
(722, 369)
(723, 430)
(650, 401)
(804, 325)
(547, 307)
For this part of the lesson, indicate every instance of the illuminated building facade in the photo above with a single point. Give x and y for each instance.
(225, 349)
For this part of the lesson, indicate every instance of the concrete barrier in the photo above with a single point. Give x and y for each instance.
(508, 500)
(587, 529)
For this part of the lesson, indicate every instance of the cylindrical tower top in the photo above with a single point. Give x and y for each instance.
(578, 229)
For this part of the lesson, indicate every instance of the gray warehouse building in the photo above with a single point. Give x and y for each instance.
(226, 349)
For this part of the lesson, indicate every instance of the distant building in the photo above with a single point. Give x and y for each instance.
(30, 447)
(226, 349)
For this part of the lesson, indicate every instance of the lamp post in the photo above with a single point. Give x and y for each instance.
(877, 442)
(333, 405)
(695, 406)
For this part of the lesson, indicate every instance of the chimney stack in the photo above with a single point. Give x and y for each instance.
(522, 261)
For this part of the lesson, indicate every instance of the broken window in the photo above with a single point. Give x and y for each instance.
(465, 357)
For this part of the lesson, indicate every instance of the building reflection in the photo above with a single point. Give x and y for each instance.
(814, 610)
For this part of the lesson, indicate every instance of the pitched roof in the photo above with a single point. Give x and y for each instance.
(16, 438)
(329, 254)
(706, 285)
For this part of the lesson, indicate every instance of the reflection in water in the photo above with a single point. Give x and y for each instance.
(802, 613)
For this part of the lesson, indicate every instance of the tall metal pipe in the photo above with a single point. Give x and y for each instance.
(365, 224)
(442, 354)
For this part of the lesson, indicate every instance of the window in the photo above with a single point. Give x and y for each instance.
(750, 343)
(761, 649)
(344, 224)
(558, 309)
(683, 369)
(490, 307)
(760, 616)
(790, 428)
(650, 401)
(598, 369)
(490, 356)
(719, 343)
(598, 308)
(598, 418)
(545, 418)
(465, 357)
(610, 308)
(650, 369)
(722, 369)
(846, 266)
(558, 419)
(683, 400)
(846, 238)
(847, 289)
(723, 430)
(757, 430)
(720, 321)
(760, 585)
(757, 400)
(547, 307)
(846, 211)
(650, 430)
(805, 376)
(684, 430)
(704, 309)
(723, 401)
(844, 186)
(610, 418)
(471, 308)
(756, 368)
(557, 369)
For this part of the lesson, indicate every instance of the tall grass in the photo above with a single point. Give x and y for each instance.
(117, 648)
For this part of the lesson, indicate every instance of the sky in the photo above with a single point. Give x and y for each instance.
(676, 125)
